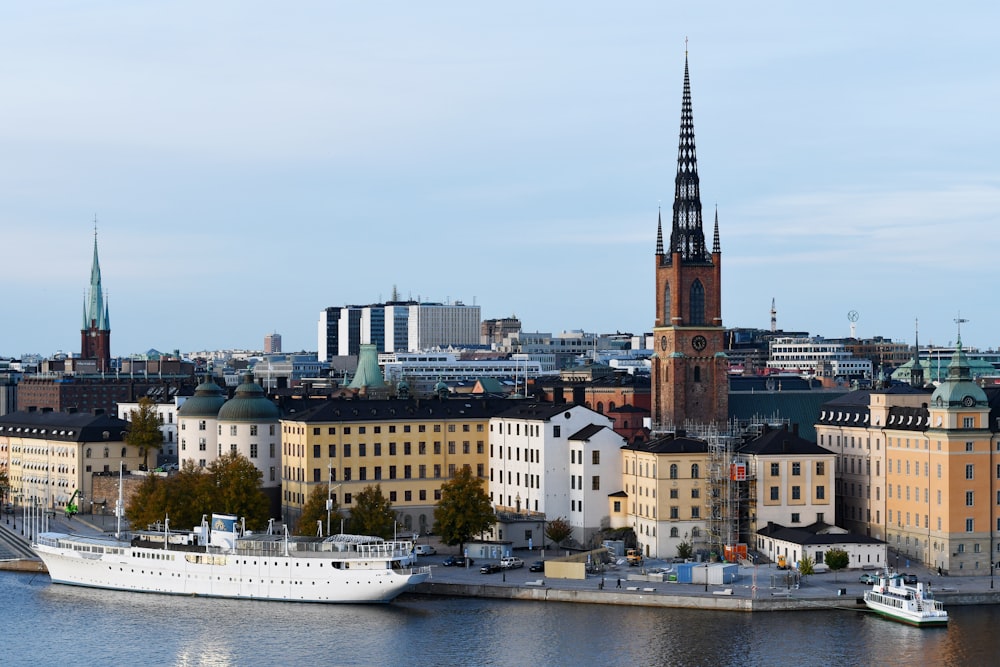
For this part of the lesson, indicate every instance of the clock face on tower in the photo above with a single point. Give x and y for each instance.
(699, 343)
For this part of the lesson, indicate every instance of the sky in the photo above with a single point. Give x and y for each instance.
(251, 163)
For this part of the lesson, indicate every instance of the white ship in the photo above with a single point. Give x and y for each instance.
(219, 562)
(911, 604)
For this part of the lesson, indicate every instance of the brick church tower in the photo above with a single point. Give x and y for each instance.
(95, 336)
(690, 370)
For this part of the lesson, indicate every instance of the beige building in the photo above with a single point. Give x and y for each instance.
(50, 455)
(666, 494)
(939, 488)
(409, 447)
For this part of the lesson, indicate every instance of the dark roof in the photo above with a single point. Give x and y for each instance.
(343, 410)
(533, 410)
(587, 432)
(781, 441)
(618, 494)
(814, 535)
(629, 409)
(798, 407)
(671, 444)
(65, 426)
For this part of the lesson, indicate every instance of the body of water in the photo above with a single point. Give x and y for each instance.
(46, 624)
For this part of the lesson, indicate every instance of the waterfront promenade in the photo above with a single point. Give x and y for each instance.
(752, 591)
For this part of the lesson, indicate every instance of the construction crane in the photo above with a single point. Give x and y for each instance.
(71, 507)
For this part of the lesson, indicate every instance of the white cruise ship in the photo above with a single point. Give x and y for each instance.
(219, 562)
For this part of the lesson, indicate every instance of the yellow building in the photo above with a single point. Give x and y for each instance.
(50, 455)
(409, 447)
(933, 472)
(665, 494)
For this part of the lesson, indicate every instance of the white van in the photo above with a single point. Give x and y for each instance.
(424, 550)
(511, 562)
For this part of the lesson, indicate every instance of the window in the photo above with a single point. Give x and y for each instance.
(316, 451)
(556, 432)
(316, 475)
(695, 493)
(595, 457)
(969, 470)
(796, 492)
(253, 450)
(407, 496)
(820, 493)
(820, 468)
(407, 472)
(774, 493)
(695, 512)
(968, 422)
(673, 471)
(970, 526)
(674, 512)
(968, 446)
(361, 449)
(775, 470)
(697, 303)
(332, 450)
(595, 483)
(347, 474)
(797, 468)
(347, 498)
(674, 532)
(673, 494)
(970, 498)
(795, 517)
(694, 471)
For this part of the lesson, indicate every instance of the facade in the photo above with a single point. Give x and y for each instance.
(423, 370)
(86, 393)
(557, 461)
(625, 398)
(666, 493)
(408, 447)
(492, 332)
(791, 480)
(814, 541)
(689, 367)
(50, 455)
(95, 334)
(167, 412)
(934, 470)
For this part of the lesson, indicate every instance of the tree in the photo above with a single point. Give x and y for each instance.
(314, 510)
(806, 565)
(558, 530)
(237, 489)
(144, 429)
(684, 550)
(372, 513)
(4, 484)
(464, 509)
(836, 559)
(230, 485)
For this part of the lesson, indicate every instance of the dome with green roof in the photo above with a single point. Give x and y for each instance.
(249, 404)
(958, 388)
(207, 400)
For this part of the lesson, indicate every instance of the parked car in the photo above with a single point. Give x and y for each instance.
(489, 568)
(511, 562)
(537, 566)
(457, 561)
(424, 550)
(868, 578)
(909, 578)
(8, 508)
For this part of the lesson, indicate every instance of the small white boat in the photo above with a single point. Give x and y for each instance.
(913, 604)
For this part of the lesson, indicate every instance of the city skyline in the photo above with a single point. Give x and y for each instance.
(249, 168)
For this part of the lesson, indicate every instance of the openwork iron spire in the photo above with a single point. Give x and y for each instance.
(687, 236)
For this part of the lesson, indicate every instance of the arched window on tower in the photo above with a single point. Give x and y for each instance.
(697, 373)
(697, 314)
(666, 304)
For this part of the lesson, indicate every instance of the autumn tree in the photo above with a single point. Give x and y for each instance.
(372, 513)
(314, 510)
(237, 489)
(231, 484)
(144, 429)
(464, 509)
(558, 530)
(4, 484)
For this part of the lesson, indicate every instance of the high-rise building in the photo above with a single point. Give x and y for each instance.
(272, 343)
(396, 326)
(95, 334)
(689, 369)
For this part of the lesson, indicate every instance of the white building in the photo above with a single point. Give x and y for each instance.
(816, 356)
(422, 370)
(562, 461)
(814, 541)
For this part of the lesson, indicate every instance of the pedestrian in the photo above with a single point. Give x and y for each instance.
(619, 583)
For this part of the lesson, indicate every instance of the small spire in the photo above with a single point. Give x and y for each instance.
(715, 241)
(659, 231)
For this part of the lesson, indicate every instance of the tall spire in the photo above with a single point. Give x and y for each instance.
(716, 246)
(916, 369)
(96, 312)
(659, 231)
(687, 236)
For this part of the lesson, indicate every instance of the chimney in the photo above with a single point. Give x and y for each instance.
(98, 412)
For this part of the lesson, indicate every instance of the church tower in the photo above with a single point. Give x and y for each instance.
(95, 336)
(690, 370)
